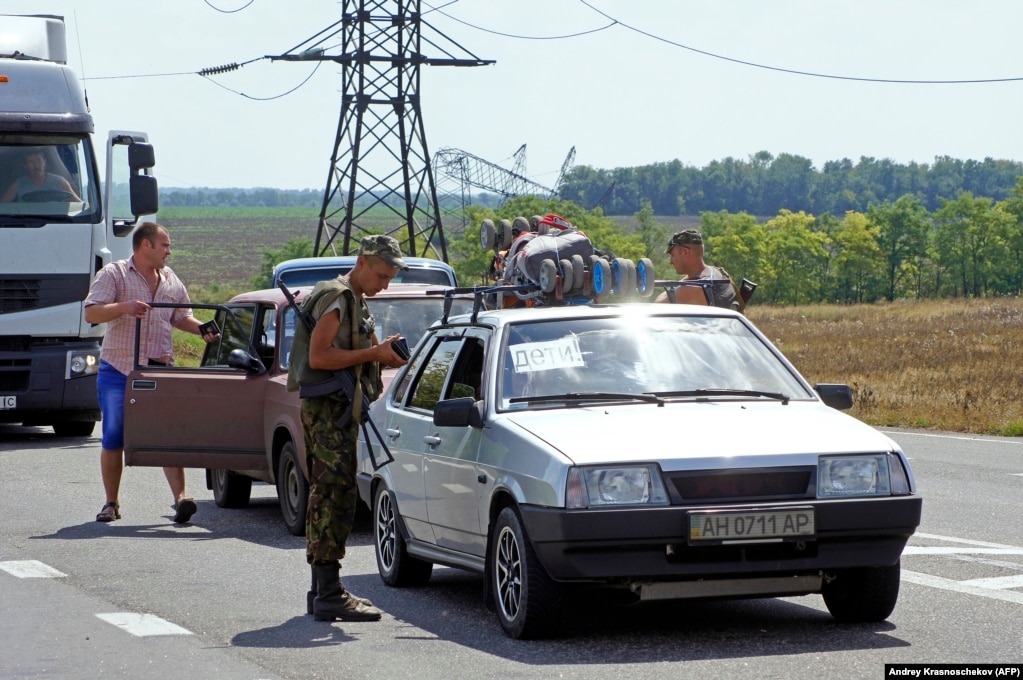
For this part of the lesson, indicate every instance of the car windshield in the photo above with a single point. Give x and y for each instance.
(558, 363)
(47, 177)
(294, 278)
(411, 316)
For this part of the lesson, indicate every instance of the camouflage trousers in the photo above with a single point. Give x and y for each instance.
(332, 464)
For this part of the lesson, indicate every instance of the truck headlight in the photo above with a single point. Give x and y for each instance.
(848, 476)
(82, 363)
(623, 485)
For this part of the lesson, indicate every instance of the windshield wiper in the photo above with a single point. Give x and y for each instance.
(725, 392)
(591, 396)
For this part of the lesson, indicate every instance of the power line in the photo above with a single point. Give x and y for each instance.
(793, 71)
(616, 22)
(228, 11)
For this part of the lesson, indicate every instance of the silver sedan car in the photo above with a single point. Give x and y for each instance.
(668, 451)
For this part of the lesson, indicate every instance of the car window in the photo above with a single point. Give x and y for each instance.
(311, 276)
(290, 319)
(411, 316)
(236, 330)
(661, 355)
(429, 383)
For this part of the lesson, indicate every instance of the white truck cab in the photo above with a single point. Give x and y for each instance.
(59, 225)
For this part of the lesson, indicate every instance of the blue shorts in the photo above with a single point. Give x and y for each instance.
(111, 384)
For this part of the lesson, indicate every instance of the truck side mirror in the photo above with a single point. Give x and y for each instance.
(141, 156)
(144, 195)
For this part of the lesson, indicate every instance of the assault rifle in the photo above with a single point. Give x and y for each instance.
(342, 381)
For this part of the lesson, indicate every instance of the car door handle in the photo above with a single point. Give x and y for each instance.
(392, 433)
(433, 440)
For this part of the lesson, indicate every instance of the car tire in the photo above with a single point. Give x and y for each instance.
(628, 278)
(864, 594)
(230, 490)
(548, 278)
(292, 490)
(73, 428)
(567, 276)
(529, 603)
(645, 277)
(397, 568)
(578, 274)
(601, 277)
(488, 235)
(504, 234)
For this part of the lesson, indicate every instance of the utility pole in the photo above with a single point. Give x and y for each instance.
(380, 162)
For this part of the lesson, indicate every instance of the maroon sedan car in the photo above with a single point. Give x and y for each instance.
(232, 414)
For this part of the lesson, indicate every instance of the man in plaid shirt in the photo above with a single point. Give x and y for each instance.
(121, 293)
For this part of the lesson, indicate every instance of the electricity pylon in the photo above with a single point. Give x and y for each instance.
(380, 157)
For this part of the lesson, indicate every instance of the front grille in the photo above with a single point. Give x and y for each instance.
(24, 294)
(706, 486)
(18, 295)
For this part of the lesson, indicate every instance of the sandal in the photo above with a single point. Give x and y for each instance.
(109, 513)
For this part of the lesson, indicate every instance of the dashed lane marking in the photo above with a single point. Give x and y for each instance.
(996, 582)
(143, 625)
(30, 569)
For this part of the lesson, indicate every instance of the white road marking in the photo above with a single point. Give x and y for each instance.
(967, 541)
(961, 587)
(30, 569)
(143, 625)
(962, 437)
(931, 550)
(997, 582)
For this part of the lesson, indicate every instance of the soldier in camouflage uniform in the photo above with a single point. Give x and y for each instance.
(343, 338)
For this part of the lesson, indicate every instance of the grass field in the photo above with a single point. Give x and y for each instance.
(949, 364)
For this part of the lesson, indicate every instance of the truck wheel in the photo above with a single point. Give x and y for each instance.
(73, 428)
(548, 276)
(864, 594)
(292, 490)
(488, 235)
(397, 568)
(230, 490)
(529, 602)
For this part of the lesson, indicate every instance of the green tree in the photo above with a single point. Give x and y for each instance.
(902, 237)
(795, 259)
(858, 264)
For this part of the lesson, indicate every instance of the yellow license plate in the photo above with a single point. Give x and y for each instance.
(730, 525)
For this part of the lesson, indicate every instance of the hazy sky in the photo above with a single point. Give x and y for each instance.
(645, 89)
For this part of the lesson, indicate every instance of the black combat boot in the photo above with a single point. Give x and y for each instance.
(311, 595)
(333, 602)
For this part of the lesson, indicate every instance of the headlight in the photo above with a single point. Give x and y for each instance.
(848, 476)
(82, 363)
(603, 486)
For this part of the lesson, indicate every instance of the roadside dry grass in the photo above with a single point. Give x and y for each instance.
(946, 364)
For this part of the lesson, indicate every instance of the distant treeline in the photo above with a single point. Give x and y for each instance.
(765, 185)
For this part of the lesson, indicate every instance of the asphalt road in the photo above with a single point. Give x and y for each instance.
(224, 597)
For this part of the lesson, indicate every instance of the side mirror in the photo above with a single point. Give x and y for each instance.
(461, 412)
(836, 396)
(239, 358)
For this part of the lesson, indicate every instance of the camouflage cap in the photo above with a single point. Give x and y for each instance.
(384, 247)
(686, 237)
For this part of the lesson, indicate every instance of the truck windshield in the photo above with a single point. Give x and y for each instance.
(47, 177)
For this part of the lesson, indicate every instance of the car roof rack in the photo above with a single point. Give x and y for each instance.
(479, 294)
